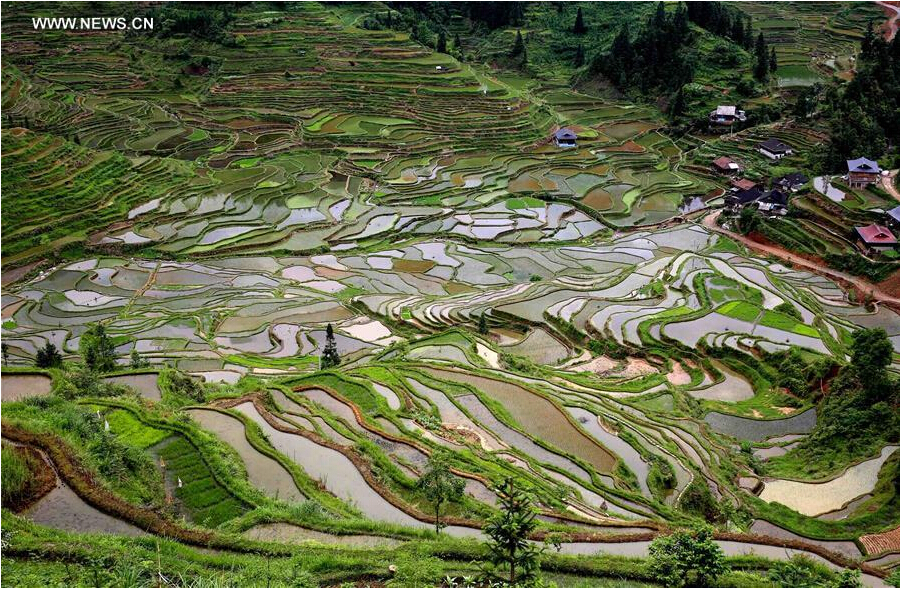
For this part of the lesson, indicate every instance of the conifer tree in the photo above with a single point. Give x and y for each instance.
(330, 356)
(482, 325)
(441, 42)
(48, 357)
(519, 46)
(513, 560)
(579, 28)
(761, 69)
(773, 61)
(579, 56)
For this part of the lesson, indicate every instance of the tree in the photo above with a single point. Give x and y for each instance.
(761, 69)
(4, 349)
(457, 44)
(513, 560)
(579, 56)
(579, 28)
(137, 361)
(749, 220)
(440, 486)
(773, 61)
(871, 351)
(519, 46)
(687, 558)
(677, 105)
(97, 350)
(330, 356)
(482, 324)
(441, 42)
(48, 357)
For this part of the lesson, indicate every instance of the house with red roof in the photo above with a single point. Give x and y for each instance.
(876, 238)
(726, 165)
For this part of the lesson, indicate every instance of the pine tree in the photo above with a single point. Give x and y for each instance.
(330, 356)
(4, 349)
(737, 31)
(579, 56)
(441, 42)
(579, 28)
(518, 46)
(761, 70)
(773, 61)
(748, 33)
(513, 560)
(457, 44)
(136, 360)
(97, 349)
(440, 486)
(482, 325)
(48, 357)
(676, 108)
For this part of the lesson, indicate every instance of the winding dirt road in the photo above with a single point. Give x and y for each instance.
(887, 183)
(864, 286)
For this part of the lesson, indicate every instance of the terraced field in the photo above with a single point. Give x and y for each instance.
(556, 316)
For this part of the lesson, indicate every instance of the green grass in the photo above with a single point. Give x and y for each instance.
(131, 431)
(15, 474)
(787, 323)
(740, 310)
(207, 502)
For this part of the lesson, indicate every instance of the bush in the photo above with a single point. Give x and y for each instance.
(687, 558)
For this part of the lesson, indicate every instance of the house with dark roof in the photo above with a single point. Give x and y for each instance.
(565, 137)
(774, 148)
(861, 172)
(893, 218)
(876, 238)
(738, 199)
(725, 165)
(773, 202)
(792, 182)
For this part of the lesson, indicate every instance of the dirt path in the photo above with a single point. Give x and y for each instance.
(861, 284)
(887, 183)
(892, 23)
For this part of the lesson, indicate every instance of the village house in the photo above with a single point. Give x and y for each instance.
(773, 202)
(725, 165)
(774, 149)
(738, 199)
(861, 172)
(565, 137)
(726, 115)
(875, 238)
(742, 184)
(893, 218)
(791, 182)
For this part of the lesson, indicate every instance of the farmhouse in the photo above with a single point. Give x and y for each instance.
(725, 165)
(565, 137)
(740, 198)
(893, 218)
(861, 172)
(726, 115)
(774, 202)
(742, 184)
(774, 149)
(876, 238)
(792, 182)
